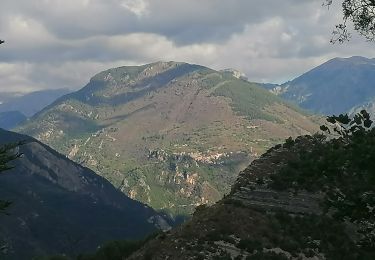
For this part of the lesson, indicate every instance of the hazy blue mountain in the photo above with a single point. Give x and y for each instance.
(30, 103)
(62, 207)
(333, 87)
(10, 119)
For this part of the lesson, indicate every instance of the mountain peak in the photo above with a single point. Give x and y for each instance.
(235, 73)
(165, 63)
(139, 72)
(352, 59)
(333, 87)
(165, 124)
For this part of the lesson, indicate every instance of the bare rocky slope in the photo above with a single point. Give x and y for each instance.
(172, 135)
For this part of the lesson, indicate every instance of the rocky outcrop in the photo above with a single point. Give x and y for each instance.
(259, 221)
(266, 199)
(252, 189)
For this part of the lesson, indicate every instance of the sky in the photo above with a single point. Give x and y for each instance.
(54, 44)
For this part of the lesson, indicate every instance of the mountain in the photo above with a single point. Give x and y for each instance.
(172, 135)
(60, 207)
(306, 199)
(334, 87)
(29, 103)
(11, 119)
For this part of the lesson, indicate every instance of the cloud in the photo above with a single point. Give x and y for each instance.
(62, 43)
(138, 7)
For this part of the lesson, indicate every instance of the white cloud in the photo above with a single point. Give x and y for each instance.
(62, 43)
(138, 7)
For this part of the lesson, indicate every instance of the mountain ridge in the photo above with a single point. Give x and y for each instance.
(333, 87)
(29, 103)
(60, 207)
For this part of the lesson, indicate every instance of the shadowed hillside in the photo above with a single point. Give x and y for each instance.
(310, 198)
(61, 207)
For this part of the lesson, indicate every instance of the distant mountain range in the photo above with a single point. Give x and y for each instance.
(335, 87)
(29, 103)
(60, 207)
(16, 107)
(172, 135)
(11, 119)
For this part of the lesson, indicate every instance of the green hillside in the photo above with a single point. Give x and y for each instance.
(172, 135)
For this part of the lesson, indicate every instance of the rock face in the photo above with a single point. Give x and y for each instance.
(149, 129)
(251, 187)
(258, 222)
(300, 203)
(60, 207)
(334, 87)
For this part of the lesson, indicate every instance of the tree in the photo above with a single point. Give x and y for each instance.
(344, 126)
(361, 13)
(339, 166)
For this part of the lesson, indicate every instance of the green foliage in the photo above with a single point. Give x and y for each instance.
(113, 251)
(248, 99)
(200, 208)
(343, 169)
(250, 245)
(288, 143)
(117, 250)
(6, 155)
(312, 233)
(4, 204)
(343, 126)
(267, 256)
(361, 14)
(55, 257)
